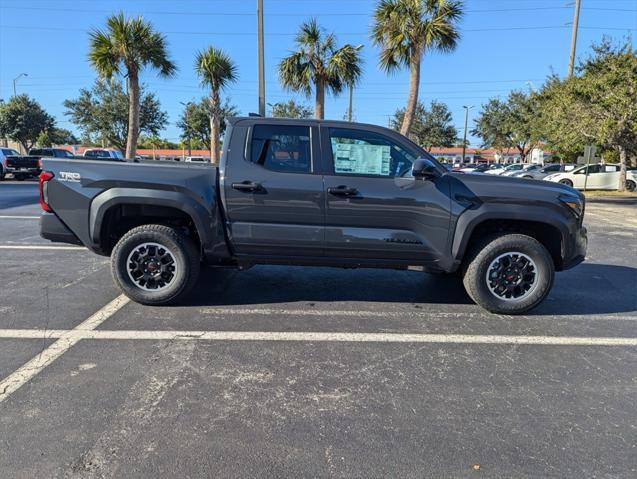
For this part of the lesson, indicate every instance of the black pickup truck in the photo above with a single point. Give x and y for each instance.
(324, 193)
(22, 167)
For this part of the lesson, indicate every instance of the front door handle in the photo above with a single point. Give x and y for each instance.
(246, 186)
(342, 191)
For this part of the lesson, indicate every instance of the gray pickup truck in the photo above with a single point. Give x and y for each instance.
(322, 193)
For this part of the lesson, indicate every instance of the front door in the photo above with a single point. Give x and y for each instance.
(273, 195)
(375, 209)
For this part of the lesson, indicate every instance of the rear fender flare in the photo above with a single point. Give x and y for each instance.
(201, 216)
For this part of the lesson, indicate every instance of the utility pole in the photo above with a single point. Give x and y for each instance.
(350, 112)
(571, 60)
(186, 106)
(261, 59)
(15, 80)
(464, 139)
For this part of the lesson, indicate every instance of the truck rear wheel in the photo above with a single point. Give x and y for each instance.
(509, 274)
(155, 264)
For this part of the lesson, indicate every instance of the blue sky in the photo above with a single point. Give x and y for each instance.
(505, 45)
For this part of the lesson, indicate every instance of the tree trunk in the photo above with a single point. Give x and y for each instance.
(622, 170)
(412, 99)
(215, 122)
(319, 106)
(133, 115)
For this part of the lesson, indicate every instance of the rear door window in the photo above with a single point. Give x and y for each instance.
(282, 148)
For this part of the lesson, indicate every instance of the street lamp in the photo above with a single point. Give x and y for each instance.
(186, 105)
(16, 79)
(464, 140)
(351, 91)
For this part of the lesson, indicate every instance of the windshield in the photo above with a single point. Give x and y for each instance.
(516, 166)
(10, 151)
(118, 154)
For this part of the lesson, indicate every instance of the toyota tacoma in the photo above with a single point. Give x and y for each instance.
(316, 193)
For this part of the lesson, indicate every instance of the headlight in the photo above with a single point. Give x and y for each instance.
(574, 203)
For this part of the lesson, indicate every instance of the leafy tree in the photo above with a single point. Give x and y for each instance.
(405, 30)
(102, 113)
(216, 70)
(194, 122)
(431, 127)
(598, 105)
(153, 141)
(290, 109)
(23, 119)
(506, 125)
(56, 136)
(320, 65)
(127, 46)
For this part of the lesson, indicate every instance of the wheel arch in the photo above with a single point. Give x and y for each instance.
(141, 206)
(545, 226)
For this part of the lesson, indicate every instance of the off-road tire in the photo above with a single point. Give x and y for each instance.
(486, 251)
(181, 247)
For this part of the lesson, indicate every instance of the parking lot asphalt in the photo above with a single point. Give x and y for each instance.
(313, 372)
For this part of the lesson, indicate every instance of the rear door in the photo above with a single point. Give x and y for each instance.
(375, 209)
(273, 190)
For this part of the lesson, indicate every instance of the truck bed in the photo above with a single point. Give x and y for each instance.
(83, 193)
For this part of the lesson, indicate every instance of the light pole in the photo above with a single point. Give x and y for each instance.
(350, 113)
(571, 59)
(16, 79)
(186, 105)
(261, 62)
(464, 139)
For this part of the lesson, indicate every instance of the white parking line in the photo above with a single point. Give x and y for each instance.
(41, 247)
(12, 217)
(66, 339)
(90, 333)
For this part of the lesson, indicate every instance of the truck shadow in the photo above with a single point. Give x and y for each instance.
(588, 289)
(283, 284)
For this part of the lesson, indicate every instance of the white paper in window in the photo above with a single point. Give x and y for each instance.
(362, 159)
(610, 169)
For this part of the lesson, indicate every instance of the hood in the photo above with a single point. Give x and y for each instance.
(502, 188)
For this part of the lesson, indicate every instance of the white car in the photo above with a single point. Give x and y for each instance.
(103, 153)
(525, 168)
(600, 177)
(505, 169)
(196, 159)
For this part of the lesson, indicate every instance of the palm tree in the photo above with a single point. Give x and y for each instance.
(127, 46)
(405, 30)
(320, 64)
(216, 70)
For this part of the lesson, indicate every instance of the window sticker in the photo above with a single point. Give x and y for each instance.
(610, 169)
(362, 159)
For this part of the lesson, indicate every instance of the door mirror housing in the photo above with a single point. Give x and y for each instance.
(424, 168)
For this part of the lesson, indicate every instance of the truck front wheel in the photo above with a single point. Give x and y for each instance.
(509, 274)
(155, 264)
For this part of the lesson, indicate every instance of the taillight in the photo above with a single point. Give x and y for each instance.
(44, 178)
(40, 164)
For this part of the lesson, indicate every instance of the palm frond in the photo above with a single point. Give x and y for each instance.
(215, 68)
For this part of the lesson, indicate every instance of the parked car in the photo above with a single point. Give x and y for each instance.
(478, 168)
(102, 153)
(4, 153)
(538, 174)
(313, 192)
(600, 177)
(52, 153)
(505, 169)
(525, 168)
(196, 159)
(19, 166)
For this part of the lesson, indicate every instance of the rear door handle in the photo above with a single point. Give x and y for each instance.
(342, 190)
(246, 186)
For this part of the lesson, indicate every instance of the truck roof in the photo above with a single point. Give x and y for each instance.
(301, 121)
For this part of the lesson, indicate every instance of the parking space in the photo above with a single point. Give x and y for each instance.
(314, 372)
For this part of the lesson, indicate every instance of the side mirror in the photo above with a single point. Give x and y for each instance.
(424, 168)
